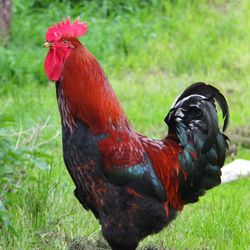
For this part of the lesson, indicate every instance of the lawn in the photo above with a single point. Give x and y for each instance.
(150, 51)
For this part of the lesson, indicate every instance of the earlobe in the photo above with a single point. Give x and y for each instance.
(71, 46)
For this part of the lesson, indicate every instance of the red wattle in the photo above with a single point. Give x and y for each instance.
(54, 63)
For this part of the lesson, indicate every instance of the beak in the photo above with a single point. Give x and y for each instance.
(48, 45)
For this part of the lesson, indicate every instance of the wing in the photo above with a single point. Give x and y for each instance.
(126, 163)
(164, 156)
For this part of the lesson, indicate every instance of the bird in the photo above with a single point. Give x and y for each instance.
(135, 186)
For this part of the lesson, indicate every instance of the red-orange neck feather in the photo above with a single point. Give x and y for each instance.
(88, 94)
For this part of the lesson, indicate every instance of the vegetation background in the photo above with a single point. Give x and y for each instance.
(150, 50)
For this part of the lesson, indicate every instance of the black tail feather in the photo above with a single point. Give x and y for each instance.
(193, 118)
(210, 92)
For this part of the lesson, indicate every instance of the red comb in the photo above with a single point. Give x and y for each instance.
(67, 29)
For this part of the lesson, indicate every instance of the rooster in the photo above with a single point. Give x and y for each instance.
(134, 185)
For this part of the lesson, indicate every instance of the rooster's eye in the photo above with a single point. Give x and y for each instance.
(65, 42)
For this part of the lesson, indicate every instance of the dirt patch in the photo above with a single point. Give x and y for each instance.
(85, 243)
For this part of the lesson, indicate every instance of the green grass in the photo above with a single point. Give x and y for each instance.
(150, 54)
(219, 221)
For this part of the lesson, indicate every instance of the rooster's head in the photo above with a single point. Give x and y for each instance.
(61, 41)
